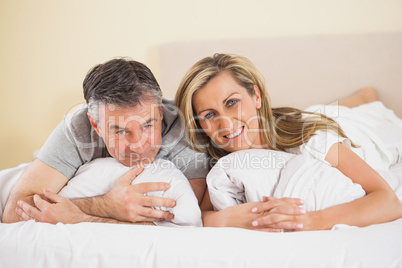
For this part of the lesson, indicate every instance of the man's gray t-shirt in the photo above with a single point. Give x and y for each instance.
(74, 142)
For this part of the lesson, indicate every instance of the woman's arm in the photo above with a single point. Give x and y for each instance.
(284, 211)
(379, 205)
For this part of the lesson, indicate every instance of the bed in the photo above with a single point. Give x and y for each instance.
(311, 69)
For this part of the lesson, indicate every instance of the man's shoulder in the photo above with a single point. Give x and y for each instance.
(78, 129)
(78, 122)
(79, 117)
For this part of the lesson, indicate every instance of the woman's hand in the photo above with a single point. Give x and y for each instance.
(271, 215)
(279, 214)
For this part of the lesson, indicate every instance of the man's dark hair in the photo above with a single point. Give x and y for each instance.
(121, 82)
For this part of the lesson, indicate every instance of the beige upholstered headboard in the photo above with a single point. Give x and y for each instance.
(303, 70)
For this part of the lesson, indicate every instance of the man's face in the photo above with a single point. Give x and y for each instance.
(132, 135)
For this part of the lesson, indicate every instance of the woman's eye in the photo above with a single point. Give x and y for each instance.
(231, 102)
(208, 115)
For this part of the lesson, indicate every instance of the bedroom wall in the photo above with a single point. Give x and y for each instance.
(47, 47)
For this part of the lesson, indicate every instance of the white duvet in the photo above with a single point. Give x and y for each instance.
(248, 175)
(32, 244)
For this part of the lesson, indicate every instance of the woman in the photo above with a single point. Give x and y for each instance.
(225, 97)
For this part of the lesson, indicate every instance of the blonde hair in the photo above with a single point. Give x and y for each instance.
(283, 127)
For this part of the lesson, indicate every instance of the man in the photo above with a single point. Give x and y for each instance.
(126, 118)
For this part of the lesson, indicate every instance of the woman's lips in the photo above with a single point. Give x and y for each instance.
(235, 133)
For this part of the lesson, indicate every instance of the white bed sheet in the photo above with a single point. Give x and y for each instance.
(31, 244)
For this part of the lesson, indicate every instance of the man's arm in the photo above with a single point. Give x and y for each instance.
(40, 176)
(60, 210)
(35, 178)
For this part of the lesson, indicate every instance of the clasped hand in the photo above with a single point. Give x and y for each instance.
(279, 214)
(270, 215)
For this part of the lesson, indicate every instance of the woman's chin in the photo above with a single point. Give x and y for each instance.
(237, 148)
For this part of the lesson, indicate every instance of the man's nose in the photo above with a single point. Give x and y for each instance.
(136, 141)
(137, 148)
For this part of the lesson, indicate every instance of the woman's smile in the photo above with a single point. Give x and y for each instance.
(235, 133)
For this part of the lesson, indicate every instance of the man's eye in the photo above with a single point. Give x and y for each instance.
(120, 132)
(147, 126)
(208, 115)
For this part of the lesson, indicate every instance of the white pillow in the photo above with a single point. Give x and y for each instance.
(98, 177)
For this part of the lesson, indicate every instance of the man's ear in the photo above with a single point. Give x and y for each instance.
(94, 125)
(161, 110)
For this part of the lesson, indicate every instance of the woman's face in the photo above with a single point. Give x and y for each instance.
(228, 114)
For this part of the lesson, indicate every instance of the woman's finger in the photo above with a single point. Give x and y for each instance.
(288, 210)
(264, 206)
(278, 221)
(270, 230)
(273, 202)
(296, 201)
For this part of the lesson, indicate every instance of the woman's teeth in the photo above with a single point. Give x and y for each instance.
(235, 134)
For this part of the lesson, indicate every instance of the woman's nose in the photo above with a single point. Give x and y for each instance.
(224, 122)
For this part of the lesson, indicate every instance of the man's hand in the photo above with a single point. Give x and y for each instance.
(36, 177)
(126, 202)
(61, 210)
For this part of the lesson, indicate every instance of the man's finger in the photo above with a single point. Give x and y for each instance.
(146, 219)
(40, 203)
(55, 198)
(155, 213)
(138, 169)
(130, 175)
(147, 187)
(152, 201)
(22, 214)
(31, 211)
